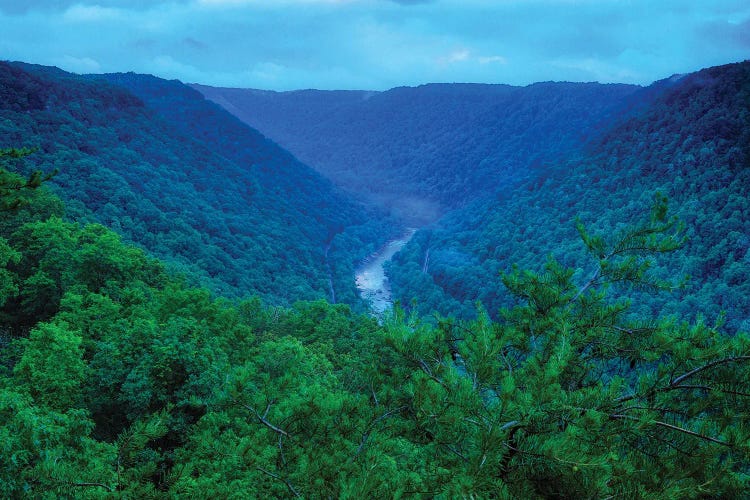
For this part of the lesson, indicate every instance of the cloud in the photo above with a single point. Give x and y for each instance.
(595, 70)
(222, 3)
(20, 7)
(79, 64)
(733, 34)
(492, 59)
(465, 56)
(377, 44)
(412, 2)
(266, 4)
(16, 7)
(91, 13)
(455, 56)
(171, 66)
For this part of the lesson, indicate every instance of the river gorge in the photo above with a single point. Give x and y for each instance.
(370, 277)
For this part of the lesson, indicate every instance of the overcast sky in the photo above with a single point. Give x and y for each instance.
(378, 44)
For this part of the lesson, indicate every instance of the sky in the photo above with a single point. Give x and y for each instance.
(377, 44)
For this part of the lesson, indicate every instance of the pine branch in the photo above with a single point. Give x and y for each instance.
(281, 450)
(371, 426)
(508, 425)
(285, 481)
(456, 452)
(648, 238)
(715, 389)
(691, 433)
(653, 408)
(512, 446)
(374, 396)
(85, 485)
(675, 384)
(426, 369)
(673, 427)
(689, 374)
(262, 418)
(666, 442)
(588, 284)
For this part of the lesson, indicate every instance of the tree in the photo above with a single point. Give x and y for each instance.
(570, 396)
(14, 189)
(52, 367)
(8, 279)
(46, 432)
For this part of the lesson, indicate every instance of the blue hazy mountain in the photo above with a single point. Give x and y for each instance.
(421, 151)
(509, 168)
(687, 136)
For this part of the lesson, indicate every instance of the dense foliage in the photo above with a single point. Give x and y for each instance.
(187, 181)
(422, 150)
(118, 381)
(689, 138)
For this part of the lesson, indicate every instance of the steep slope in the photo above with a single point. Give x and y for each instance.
(186, 180)
(689, 138)
(423, 150)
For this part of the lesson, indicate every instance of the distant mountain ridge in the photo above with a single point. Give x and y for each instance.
(421, 151)
(186, 180)
(688, 137)
(509, 168)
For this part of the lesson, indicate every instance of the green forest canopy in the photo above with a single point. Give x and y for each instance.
(116, 380)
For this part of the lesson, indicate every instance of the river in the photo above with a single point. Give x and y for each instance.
(370, 277)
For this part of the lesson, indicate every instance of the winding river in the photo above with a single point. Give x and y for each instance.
(370, 277)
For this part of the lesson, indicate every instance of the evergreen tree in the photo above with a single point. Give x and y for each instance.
(14, 189)
(569, 396)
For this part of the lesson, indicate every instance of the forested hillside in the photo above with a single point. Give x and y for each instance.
(587, 371)
(118, 381)
(420, 151)
(689, 138)
(187, 181)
